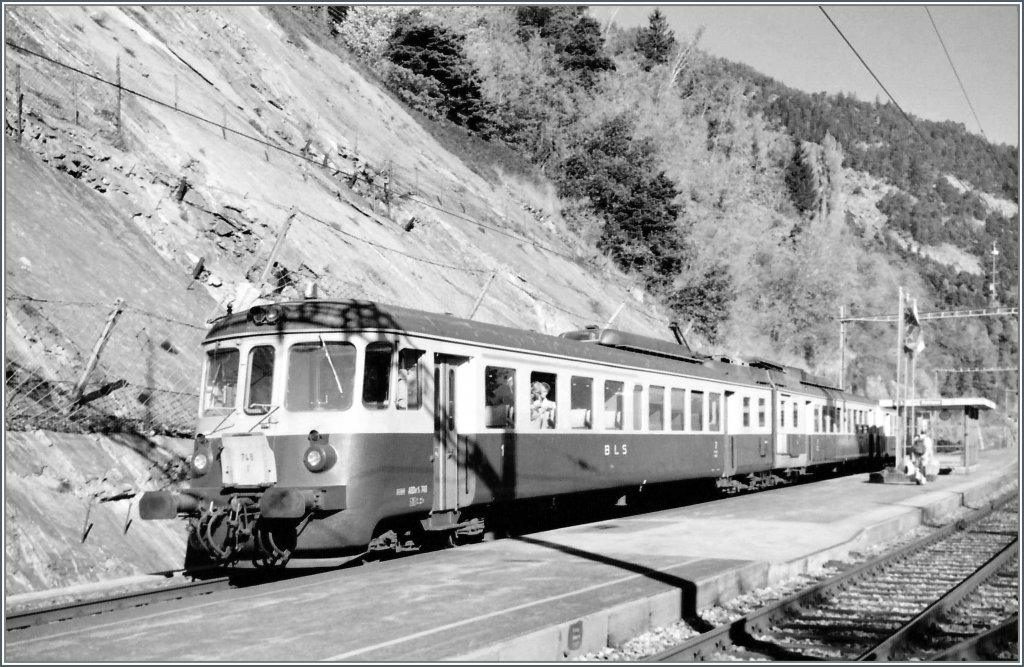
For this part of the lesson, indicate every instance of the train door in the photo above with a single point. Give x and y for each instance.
(779, 400)
(451, 479)
(729, 413)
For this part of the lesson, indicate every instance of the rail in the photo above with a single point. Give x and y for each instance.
(744, 631)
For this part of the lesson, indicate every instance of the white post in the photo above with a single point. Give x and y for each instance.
(900, 425)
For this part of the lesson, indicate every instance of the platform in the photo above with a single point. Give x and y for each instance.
(543, 597)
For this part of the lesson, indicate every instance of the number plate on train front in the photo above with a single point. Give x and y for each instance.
(247, 460)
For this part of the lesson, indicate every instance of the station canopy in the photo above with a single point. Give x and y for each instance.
(971, 405)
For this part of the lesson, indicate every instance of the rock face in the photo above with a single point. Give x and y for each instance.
(118, 197)
(71, 511)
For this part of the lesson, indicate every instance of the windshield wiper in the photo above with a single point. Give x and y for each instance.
(269, 412)
(226, 417)
(331, 363)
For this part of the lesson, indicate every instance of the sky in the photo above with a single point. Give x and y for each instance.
(796, 45)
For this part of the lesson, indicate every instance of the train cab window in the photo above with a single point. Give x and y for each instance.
(408, 390)
(613, 405)
(714, 406)
(320, 376)
(377, 375)
(638, 407)
(761, 412)
(500, 397)
(746, 412)
(656, 409)
(221, 384)
(261, 380)
(543, 409)
(696, 410)
(817, 419)
(581, 403)
(678, 409)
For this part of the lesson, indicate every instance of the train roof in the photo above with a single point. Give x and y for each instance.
(607, 346)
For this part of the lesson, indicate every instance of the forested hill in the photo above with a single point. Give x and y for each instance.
(929, 162)
(754, 211)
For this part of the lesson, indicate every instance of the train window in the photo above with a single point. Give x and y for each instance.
(581, 403)
(656, 409)
(221, 381)
(261, 380)
(678, 409)
(613, 405)
(746, 412)
(817, 419)
(542, 405)
(796, 414)
(696, 410)
(638, 407)
(409, 392)
(500, 399)
(714, 403)
(760, 412)
(320, 376)
(377, 375)
(782, 413)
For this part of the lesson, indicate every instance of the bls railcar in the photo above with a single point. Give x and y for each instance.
(331, 427)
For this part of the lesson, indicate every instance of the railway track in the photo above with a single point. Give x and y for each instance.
(175, 588)
(952, 593)
(44, 614)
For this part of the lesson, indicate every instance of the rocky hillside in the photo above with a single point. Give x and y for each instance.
(226, 125)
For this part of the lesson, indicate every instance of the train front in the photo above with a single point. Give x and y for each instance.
(271, 468)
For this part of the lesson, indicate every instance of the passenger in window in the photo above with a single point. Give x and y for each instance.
(402, 397)
(505, 395)
(542, 410)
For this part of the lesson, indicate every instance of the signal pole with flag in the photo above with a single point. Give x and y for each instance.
(913, 339)
(913, 344)
(910, 343)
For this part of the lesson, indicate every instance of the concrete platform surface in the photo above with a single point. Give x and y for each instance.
(545, 597)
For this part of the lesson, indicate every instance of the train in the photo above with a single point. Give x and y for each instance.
(335, 427)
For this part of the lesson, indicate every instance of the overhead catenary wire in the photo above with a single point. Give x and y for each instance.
(955, 73)
(413, 195)
(299, 155)
(871, 72)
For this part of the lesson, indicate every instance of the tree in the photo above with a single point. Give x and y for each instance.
(438, 73)
(804, 179)
(706, 301)
(656, 41)
(613, 171)
(576, 38)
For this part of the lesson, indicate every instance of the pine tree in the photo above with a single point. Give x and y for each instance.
(656, 41)
(803, 179)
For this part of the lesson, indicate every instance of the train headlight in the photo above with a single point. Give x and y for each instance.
(273, 315)
(200, 463)
(260, 315)
(315, 459)
(319, 456)
(202, 456)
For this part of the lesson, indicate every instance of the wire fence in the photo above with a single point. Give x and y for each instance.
(63, 369)
(95, 98)
(86, 367)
